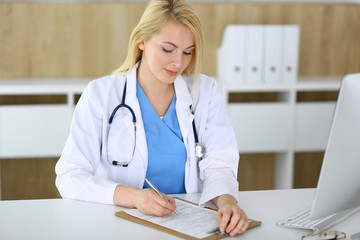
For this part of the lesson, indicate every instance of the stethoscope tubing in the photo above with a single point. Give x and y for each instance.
(122, 104)
(200, 149)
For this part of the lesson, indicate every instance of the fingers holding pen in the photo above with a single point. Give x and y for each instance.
(151, 203)
(168, 205)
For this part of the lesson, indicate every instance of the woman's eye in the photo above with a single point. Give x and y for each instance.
(167, 50)
(188, 53)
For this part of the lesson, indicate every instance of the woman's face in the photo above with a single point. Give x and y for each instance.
(167, 53)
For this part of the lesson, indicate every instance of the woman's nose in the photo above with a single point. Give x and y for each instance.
(177, 60)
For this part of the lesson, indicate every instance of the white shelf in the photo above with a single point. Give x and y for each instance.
(318, 84)
(39, 86)
(303, 84)
(37, 130)
(257, 124)
(285, 126)
(246, 115)
(257, 87)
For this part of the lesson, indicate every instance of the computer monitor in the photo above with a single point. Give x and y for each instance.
(338, 187)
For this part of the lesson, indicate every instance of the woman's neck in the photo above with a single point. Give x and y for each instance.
(159, 94)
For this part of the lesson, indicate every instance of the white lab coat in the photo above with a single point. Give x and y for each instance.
(84, 173)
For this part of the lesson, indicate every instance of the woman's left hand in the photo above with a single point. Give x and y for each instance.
(231, 218)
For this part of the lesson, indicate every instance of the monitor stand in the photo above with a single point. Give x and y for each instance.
(355, 236)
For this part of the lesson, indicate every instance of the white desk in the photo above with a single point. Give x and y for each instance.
(70, 219)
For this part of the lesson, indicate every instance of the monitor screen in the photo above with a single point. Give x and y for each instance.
(338, 187)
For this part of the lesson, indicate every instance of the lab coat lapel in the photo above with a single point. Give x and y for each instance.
(183, 103)
(132, 101)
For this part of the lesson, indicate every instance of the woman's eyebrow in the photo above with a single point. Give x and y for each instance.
(174, 45)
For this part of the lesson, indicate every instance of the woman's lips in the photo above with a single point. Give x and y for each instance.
(171, 73)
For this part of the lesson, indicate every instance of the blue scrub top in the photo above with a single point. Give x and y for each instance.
(166, 149)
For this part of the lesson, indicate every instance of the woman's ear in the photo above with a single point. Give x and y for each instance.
(141, 46)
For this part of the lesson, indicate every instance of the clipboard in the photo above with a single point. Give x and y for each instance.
(123, 214)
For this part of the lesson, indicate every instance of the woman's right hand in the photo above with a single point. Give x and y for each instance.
(146, 200)
(149, 202)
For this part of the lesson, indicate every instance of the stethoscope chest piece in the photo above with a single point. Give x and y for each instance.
(200, 149)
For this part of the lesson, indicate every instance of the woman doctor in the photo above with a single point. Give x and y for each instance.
(144, 120)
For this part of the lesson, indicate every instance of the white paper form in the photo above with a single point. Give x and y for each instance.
(192, 220)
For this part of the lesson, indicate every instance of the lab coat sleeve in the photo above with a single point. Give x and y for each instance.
(81, 155)
(218, 168)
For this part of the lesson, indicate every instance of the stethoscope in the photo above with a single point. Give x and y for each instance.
(200, 148)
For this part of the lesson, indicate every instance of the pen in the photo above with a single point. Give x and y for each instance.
(156, 190)
(217, 231)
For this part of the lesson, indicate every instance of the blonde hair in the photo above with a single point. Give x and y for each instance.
(156, 15)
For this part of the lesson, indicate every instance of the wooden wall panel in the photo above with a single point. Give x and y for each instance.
(62, 40)
(307, 169)
(28, 179)
(256, 172)
(90, 39)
